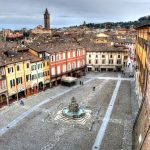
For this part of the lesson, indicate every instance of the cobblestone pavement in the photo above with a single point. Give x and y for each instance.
(36, 132)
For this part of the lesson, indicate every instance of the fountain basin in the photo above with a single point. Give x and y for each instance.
(76, 114)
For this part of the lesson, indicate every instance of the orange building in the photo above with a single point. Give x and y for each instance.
(141, 129)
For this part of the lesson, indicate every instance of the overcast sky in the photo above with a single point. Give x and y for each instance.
(16, 14)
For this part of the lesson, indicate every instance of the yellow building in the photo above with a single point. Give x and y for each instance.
(3, 86)
(141, 128)
(17, 76)
(46, 73)
(141, 50)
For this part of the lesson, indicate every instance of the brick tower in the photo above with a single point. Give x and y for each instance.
(46, 20)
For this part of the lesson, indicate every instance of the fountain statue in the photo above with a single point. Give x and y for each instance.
(73, 110)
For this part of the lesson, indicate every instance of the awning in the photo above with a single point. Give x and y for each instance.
(68, 79)
(47, 81)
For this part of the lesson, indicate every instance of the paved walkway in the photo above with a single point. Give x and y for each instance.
(11, 124)
(109, 127)
(106, 118)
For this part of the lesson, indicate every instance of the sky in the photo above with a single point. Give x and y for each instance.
(17, 14)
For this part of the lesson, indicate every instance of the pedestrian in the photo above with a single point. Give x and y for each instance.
(80, 82)
(124, 73)
(93, 88)
(21, 103)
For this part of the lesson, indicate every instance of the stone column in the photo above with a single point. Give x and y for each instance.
(7, 100)
(56, 83)
(50, 84)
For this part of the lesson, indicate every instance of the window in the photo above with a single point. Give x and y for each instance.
(69, 67)
(10, 70)
(111, 56)
(110, 61)
(58, 69)
(83, 52)
(47, 63)
(53, 71)
(64, 68)
(103, 61)
(103, 56)
(79, 53)
(90, 56)
(12, 83)
(27, 65)
(39, 66)
(18, 68)
(32, 77)
(96, 61)
(68, 54)
(43, 64)
(73, 53)
(74, 65)
(58, 57)
(33, 67)
(64, 55)
(96, 56)
(78, 64)
(119, 61)
(40, 74)
(19, 80)
(89, 61)
(28, 77)
(118, 56)
(52, 58)
(44, 74)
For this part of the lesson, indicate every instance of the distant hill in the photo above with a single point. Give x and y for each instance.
(140, 21)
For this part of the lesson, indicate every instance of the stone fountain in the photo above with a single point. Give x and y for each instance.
(73, 111)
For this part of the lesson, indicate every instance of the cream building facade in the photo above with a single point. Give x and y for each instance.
(106, 58)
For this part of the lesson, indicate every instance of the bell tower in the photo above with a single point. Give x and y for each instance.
(46, 20)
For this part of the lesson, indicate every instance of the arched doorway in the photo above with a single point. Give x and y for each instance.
(40, 86)
(35, 89)
(3, 100)
(28, 90)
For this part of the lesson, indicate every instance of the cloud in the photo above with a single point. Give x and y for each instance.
(29, 13)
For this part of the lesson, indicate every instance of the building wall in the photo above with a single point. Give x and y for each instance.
(67, 61)
(11, 76)
(46, 71)
(3, 86)
(141, 129)
(141, 48)
(14, 74)
(95, 60)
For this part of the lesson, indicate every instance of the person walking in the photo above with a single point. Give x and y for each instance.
(93, 88)
(80, 82)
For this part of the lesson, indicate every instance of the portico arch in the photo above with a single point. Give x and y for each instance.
(4, 98)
